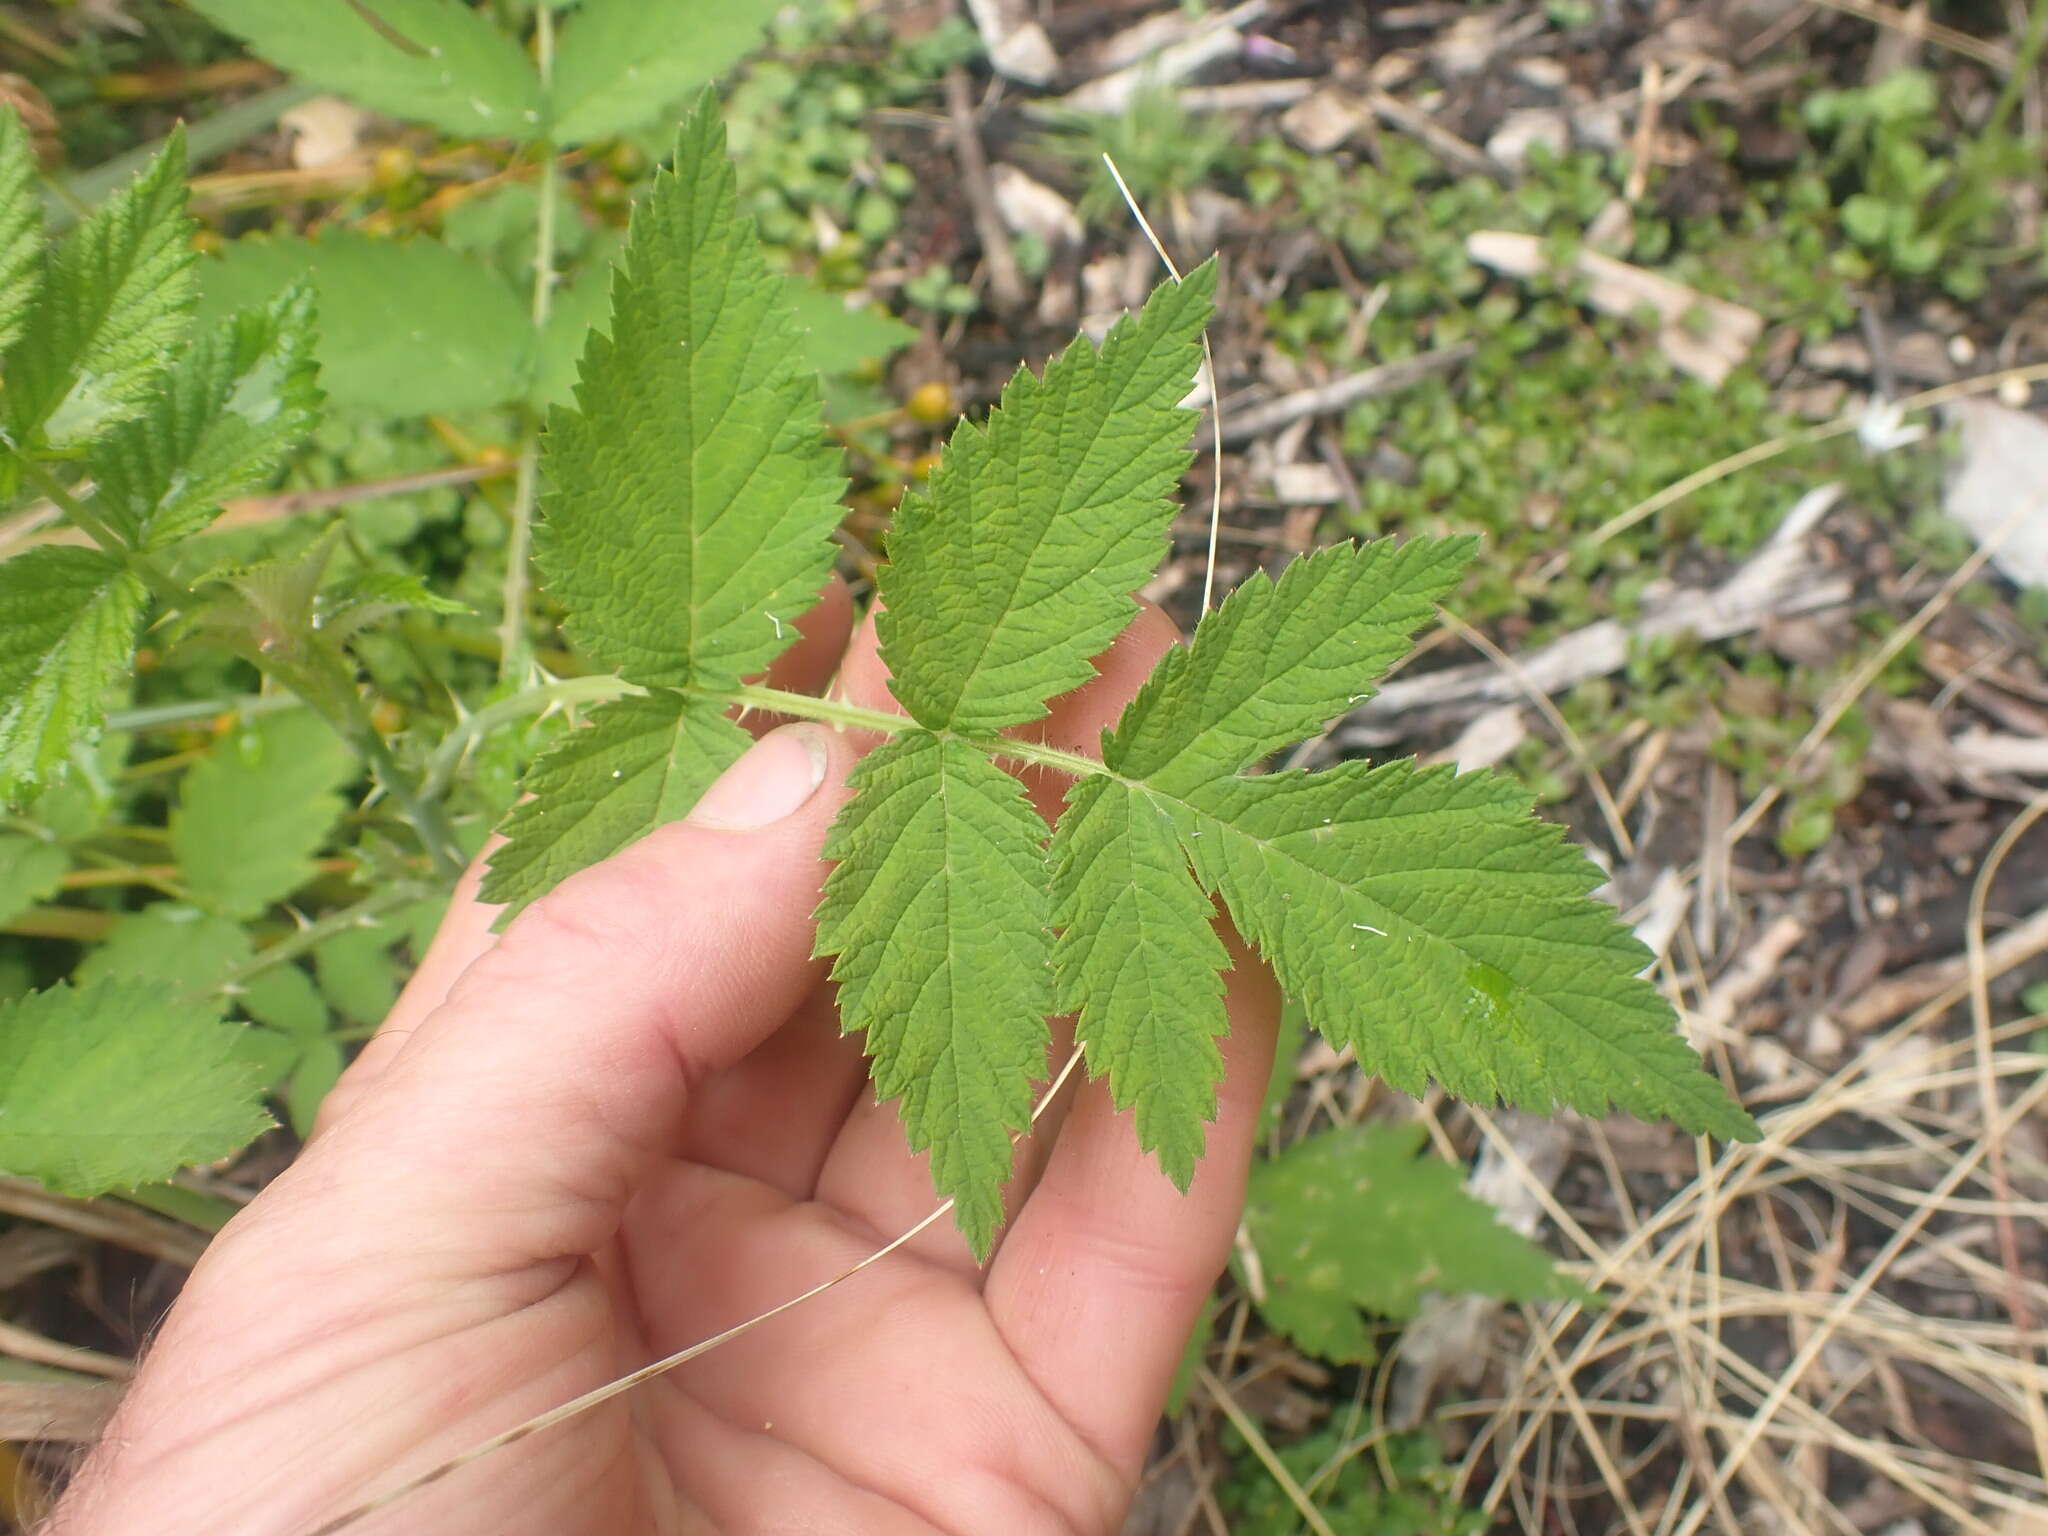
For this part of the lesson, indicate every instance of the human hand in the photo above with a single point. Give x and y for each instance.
(627, 1125)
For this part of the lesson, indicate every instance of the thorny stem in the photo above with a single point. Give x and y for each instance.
(528, 701)
(514, 651)
(424, 813)
(294, 944)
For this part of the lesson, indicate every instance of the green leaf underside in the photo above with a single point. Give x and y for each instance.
(619, 63)
(67, 628)
(117, 1084)
(640, 762)
(1353, 1221)
(436, 61)
(1138, 962)
(21, 228)
(407, 327)
(255, 810)
(1428, 920)
(937, 914)
(230, 409)
(1280, 659)
(1015, 567)
(693, 491)
(115, 297)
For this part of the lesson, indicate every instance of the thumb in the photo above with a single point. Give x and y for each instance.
(515, 1123)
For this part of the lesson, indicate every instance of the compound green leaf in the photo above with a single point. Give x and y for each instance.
(621, 62)
(1015, 567)
(231, 408)
(437, 61)
(639, 763)
(1278, 660)
(21, 228)
(1428, 920)
(118, 1083)
(1353, 1220)
(693, 489)
(252, 813)
(67, 631)
(116, 297)
(30, 868)
(1137, 961)
(937, 914)
(407, 327)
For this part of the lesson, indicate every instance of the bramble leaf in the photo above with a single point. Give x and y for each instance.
(620, 62)
(1428, 920)
(116, 296)
(1279, 660)
(1353, 1220)
(1015, 567)
(176, 948)
(437, 61)
(407, 327)
(640, 762)
(937, 913)
(693, 491)
(67, 629)
(252, 813)
(1138, 962)
(117, 1083)
(231, 408)
(21, 228)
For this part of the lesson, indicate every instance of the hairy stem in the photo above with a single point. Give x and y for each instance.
(837, 712)
(515, 653)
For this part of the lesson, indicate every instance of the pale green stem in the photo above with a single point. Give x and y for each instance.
(300, 940)
(101, 533)
(515, 652)
(528, 701)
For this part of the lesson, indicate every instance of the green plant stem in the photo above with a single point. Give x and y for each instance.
(425, 814)
(528, 701)
(515, 653)
(2022, 71)
(835, 712)
(48, 485)
(296, 943)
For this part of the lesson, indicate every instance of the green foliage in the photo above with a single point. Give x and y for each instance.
(1353, 1221)
(1914, 210)
(621, 61)
(228, 411)
(1425, 918)
(116, 1083)
(407, 327)
(256, 810)
(67, 627)
(21, 229)
(112, 298)
(436, 60)
(1399, 1486)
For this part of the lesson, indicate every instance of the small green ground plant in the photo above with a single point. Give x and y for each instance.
(1424, 918)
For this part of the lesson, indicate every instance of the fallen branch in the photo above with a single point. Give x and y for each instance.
(1241, 426)
(1780, 579)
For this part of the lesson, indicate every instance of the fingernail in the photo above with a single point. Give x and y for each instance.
(778, 774)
